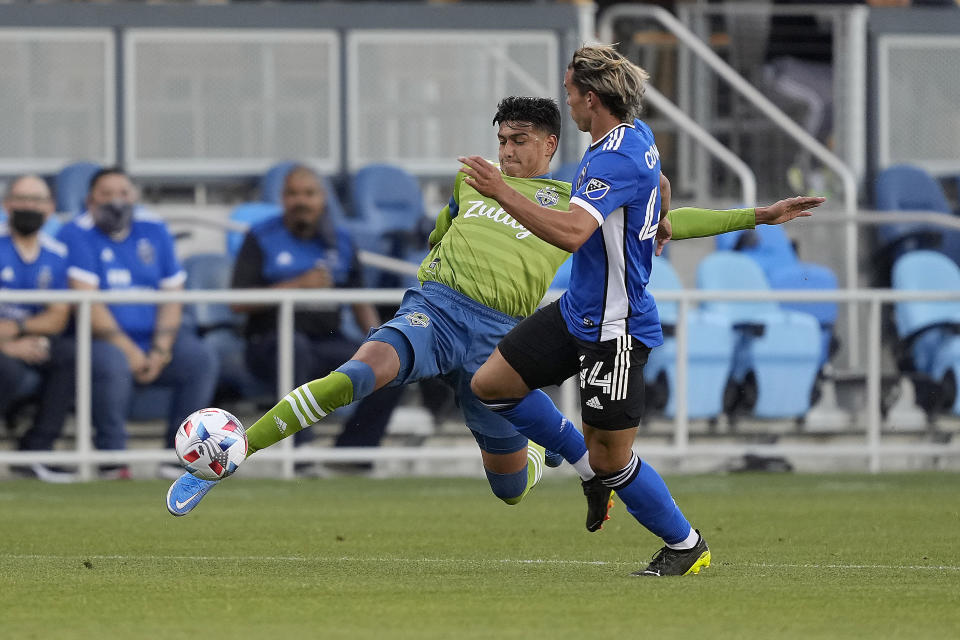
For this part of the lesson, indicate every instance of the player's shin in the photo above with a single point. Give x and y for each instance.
(536, 417)
(512, 487)
(302, 407)
(643, 492)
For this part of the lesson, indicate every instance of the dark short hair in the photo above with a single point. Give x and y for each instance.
(541, 113)
(106, 171)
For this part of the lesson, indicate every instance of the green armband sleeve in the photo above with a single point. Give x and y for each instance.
(688, 222)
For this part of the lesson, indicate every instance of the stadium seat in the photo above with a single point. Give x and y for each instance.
(562, 279)
(710, 353)
(929, 331)
(566, 172)
(768, 245)
(271, 182)
(70, 186)
(806, 275)
(389, 210)
(907, 188)
(777, 353)
(248, 213)
(219, 326)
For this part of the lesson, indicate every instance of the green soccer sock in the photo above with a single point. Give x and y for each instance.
(535, 462)
(299, 409)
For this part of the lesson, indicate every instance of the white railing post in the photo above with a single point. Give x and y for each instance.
(285, 379)
(873, 385)
(681, 438)
(84, 390)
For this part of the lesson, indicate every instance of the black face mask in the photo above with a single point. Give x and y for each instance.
(26, 221)
(113, 217)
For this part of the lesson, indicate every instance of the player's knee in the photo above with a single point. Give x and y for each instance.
(481, 388)
(509, 487)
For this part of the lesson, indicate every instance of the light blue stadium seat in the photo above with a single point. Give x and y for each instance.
(248, 213)
(562, 279)
(389, 211)
(70, 186)
(909, 188)
(768, 245)
(566, 172)
(710, 351)
(778, 351)
(806, 275)
(930, 330)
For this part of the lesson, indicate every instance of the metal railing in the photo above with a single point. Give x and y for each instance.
(85, 457)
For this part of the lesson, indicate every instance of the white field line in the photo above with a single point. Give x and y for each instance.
(320, 560)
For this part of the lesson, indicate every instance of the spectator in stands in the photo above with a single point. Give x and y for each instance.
(116, 246)
(32, 347)
(302, 249)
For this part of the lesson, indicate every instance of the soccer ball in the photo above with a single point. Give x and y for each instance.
(211, 443)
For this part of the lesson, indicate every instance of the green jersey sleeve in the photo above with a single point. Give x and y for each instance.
(443, 218)
(689, 222)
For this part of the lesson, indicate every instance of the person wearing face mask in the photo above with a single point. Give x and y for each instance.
(31, 344)
(113, 246)
(302, 249)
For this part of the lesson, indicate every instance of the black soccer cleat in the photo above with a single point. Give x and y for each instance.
(599, 500)
(671, 562)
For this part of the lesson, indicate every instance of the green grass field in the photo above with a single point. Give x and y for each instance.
(795, 556)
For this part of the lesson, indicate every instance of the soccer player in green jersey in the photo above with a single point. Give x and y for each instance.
(484, 273)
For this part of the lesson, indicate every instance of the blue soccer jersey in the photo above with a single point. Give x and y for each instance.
(145, 259)
(618, 183)
(47, 271)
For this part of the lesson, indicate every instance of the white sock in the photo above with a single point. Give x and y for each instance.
(688, 543)
(583, 467)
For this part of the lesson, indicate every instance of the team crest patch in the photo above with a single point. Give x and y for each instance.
(548, 197)
(596, 189)
(418, 319)
(145, 251)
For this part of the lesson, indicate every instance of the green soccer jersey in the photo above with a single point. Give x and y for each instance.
(485, 254)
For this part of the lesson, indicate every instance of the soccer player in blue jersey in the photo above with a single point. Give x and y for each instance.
(30, 334)
(606, 323)
(117, 246)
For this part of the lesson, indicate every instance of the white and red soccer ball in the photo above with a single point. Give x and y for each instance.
(211, 443)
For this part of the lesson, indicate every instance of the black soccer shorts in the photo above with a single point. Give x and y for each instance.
(543, 352)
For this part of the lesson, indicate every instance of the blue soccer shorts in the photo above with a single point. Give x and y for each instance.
(439, 332)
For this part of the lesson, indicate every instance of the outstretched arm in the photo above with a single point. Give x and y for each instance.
(689, 222)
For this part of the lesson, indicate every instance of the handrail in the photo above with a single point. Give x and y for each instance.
(748, 181)
(873, 449)
(689, 38)
(795, 131)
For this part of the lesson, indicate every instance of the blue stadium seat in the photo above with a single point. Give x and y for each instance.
(930, 331)
(908, 188)
(248, 213)
(566, 172)
(710, 352)
(271, 182)
(806, 275)
(777, 354)
(562, 279)
(767, 244)
(70, 186)
(389, 210)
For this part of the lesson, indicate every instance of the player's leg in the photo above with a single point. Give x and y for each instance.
(374, 365)
(611, 403)
(536, 353)
(371, 367)
(512, 464)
